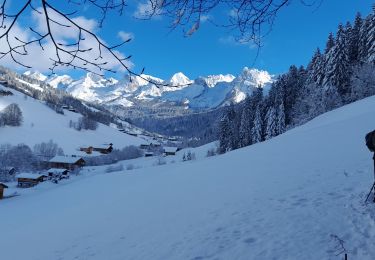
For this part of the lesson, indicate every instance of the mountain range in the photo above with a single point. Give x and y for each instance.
(199, 94)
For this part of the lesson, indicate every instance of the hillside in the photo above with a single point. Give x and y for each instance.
(42, 124)
(296, 196)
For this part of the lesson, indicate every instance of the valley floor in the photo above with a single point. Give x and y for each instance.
(296, 196)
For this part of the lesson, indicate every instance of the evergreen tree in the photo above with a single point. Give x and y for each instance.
(363, 41)
(371, 37)
(245, 128)
(225, 134)
(280, 123)
(256, 131)
(354, 39)
(330, 43)
(316, 68)
(270, 123)
(338, 65)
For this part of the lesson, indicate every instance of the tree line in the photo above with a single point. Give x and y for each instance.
(340, 74)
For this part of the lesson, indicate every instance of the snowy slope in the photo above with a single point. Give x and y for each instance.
(42, 124)
(202, 93)
(291, 197)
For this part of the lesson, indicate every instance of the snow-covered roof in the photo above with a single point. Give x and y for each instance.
(56, 170)
(29, 176)
(2, 184)
(170, 149)
(65, 159)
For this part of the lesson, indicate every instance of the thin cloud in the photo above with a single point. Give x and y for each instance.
(124, 36)
(231, 40)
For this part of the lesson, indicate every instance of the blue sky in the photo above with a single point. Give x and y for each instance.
(297, 31)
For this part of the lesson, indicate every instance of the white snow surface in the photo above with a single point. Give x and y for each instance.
(291, 197)
(42, 124)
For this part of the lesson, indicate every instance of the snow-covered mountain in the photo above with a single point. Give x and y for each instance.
(202, 93)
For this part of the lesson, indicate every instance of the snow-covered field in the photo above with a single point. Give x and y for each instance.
(296, 196)
(42, 124)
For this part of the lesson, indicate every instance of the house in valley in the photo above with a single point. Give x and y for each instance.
(67, 162)
(170, 150)
(104, 149)
(87, 150)
(2, 187)
(26, 180)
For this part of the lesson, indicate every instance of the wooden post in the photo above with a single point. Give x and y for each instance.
(346, 256)
(1, 192)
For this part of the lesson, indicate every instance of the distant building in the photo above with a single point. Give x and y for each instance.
(2, 187)
(87, 150)
(149, 154)
(150, 145)
(67, 162)
(170, 150)
(26, 180)
(104, 149)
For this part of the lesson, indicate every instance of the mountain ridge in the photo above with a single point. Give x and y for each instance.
(204, 92)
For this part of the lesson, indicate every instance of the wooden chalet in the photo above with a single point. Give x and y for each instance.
(105, 149)
(150, 145)
(67, 162)
(2, 187)
(170, 150)
(87, 150)
(26, 180)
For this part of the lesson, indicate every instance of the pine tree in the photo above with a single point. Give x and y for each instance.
(270, 123)
(315, 68)
(338, 73)
(256, 131)
(225, 134)
(280, 123)
(363, 41)
(371, 37)
(354, 39)
(330, 43)
(245, 128)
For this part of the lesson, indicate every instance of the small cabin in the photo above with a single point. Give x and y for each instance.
(170, 150)
(27, 180)
(67, 162)
(149, 154)
(87, 150)
(2, 187)
(104, 149)
(144, 146)
(58, 173)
